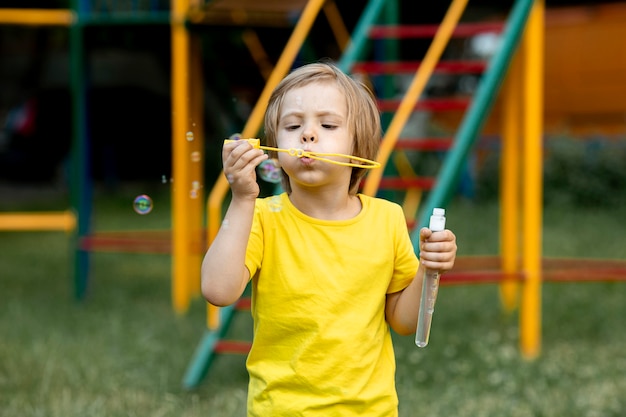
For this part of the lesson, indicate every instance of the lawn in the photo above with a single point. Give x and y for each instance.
(123, 351)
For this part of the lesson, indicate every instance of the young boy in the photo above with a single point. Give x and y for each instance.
(332, 270)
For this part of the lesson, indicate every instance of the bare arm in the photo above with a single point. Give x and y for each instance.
(224, 274)
(438, 252)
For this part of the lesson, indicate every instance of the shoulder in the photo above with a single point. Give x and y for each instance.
(383, 211)
(379, 204)
(270, 203)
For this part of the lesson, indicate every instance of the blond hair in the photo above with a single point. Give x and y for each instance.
(363, 117)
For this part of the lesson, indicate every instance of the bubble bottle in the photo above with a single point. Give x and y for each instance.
(430, 286)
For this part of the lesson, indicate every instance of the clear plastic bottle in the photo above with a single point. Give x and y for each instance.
(430, 286)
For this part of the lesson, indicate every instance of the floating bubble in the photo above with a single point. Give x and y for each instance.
(235, 136)
(193, 194)
(163, 179)
(142, 204)
(195, 156)
(189, 136)
(269, 170)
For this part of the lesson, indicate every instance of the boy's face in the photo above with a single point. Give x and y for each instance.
(314, 118)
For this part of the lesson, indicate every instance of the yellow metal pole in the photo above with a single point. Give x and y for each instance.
(530, 318)
(19, 221)
(181, 231)
(195, 164)
(37, 17)
(510, 184)
(405, 109)
(217, 194)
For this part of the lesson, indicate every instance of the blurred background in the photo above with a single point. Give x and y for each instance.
(128, 72)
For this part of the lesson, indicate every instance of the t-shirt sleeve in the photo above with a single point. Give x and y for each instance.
(405, 262)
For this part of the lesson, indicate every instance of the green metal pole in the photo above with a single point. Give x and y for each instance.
(80, 187)
(476, 115)
(388, 50)
(205, 352)
(356, 48)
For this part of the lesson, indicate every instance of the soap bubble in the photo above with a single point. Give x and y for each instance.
(269, 170)
(142, 204)
(195, 156)
(235, 136)
(189, 136)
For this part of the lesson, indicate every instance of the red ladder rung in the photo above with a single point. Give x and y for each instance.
(232, 346)
(244, 303)
(424, 144)
(434, 104)
(428, 31)
(448, 67)
(397, 183)
(120, 244)
(478, 277)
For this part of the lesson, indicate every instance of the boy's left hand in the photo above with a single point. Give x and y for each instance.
(437, 249)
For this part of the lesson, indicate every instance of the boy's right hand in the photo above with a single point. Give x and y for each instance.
(240, 160)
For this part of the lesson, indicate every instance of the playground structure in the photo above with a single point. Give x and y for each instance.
(185, 240)
(218, 320)
(518, 66)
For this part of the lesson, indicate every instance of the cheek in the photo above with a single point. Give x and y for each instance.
(283, 140)
(283, 159)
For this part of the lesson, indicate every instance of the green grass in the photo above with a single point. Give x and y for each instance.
(123, 351)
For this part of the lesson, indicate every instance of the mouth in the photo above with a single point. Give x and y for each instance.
(305, 160)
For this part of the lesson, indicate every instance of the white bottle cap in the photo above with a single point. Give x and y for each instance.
(439, 212)
(438, 220)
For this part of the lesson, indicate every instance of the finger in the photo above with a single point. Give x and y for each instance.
(437, 261)
(228, 148)
(425, 234)
(240, 166)
(442, 236)
(438, 247)
(243, 156)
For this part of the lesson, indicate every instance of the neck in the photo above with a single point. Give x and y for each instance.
(325, 204)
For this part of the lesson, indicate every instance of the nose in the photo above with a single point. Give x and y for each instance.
(308, 135)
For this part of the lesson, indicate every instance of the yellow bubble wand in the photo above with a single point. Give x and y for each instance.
(301, 153)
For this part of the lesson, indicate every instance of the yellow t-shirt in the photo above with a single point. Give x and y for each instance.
(321, 344)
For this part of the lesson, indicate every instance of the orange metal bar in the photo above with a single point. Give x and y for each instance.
(420, 79)
(510, 184)
(43, 221)
(530, 318)
(218, 193)
(195, 165)
(258, 53)
(181, 150)
(37, 17)
(260, 57)
(337, 25)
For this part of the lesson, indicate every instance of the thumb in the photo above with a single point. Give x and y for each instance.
(425, 233)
